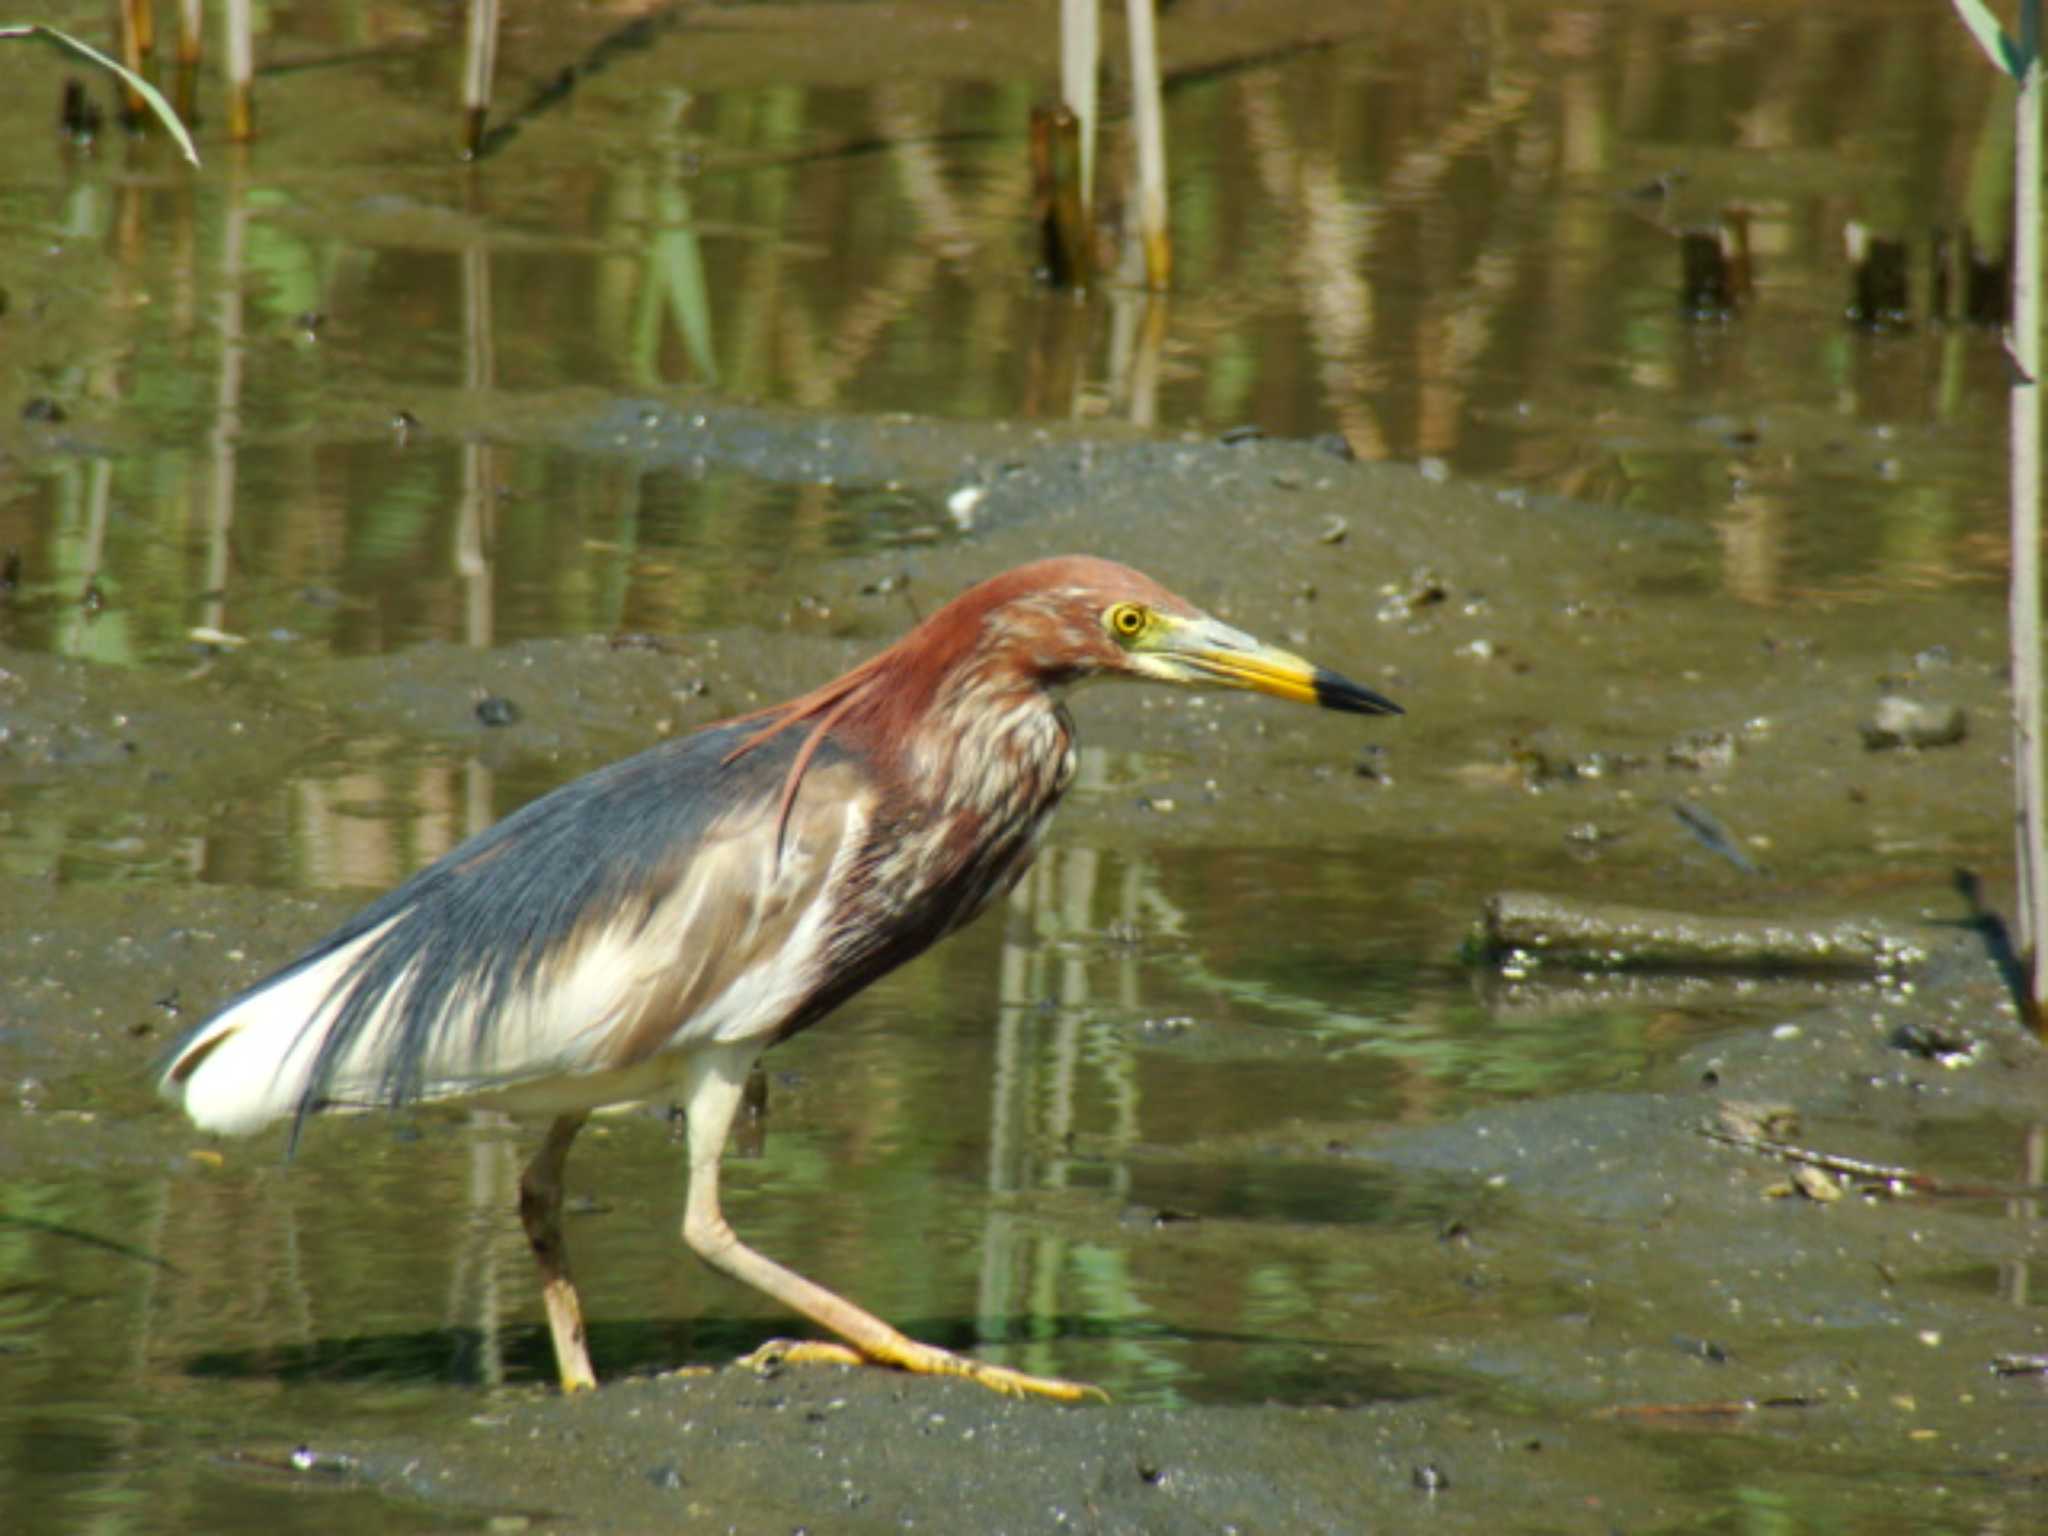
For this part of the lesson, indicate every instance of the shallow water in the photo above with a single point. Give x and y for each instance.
(1430, 238)
(1420, 234)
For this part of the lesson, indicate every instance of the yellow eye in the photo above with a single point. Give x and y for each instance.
(1127, 621)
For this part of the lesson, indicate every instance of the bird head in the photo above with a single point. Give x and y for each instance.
(1068, 620)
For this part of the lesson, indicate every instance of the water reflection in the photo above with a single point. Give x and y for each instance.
(471, 542)
(1431, 253)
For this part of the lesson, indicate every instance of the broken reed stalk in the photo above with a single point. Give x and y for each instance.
(480, 63)
(1071, 199)
(191, 41)
(138, 52)
(1148, 106)
(241, 72)
(1057, 202)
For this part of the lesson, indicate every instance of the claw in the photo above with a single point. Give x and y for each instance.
(776, 1353)
(922, 1360)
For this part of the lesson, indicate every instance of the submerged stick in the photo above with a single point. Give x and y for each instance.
(1521, 926)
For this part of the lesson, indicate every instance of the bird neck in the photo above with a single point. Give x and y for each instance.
(964, 719)
(994, 738)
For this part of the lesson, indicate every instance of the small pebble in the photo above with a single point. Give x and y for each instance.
(1899, 721)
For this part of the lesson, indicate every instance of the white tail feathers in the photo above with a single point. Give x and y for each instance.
(233, 1077)
(252, 1063)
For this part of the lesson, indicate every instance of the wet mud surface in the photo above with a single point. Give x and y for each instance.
(1617, 1286)
(1606, 1321)
(1620, 1292)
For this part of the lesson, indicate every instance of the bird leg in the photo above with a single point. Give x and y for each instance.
(713, 1086)
(540, 1212)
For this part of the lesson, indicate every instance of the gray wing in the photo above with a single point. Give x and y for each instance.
(564, 950)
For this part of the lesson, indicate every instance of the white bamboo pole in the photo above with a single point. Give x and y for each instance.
(1149, 108)
(1080, 56)
(2025, 599)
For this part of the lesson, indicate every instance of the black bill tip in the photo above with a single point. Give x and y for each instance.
(1340, 693)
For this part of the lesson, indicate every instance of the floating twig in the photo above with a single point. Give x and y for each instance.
(1891, 1176)
(1712, 1408)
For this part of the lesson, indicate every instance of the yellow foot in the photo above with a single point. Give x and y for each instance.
(923, 1360)
(572, 1369)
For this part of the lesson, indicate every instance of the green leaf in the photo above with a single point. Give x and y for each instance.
(1998, 48)
(165, 113)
